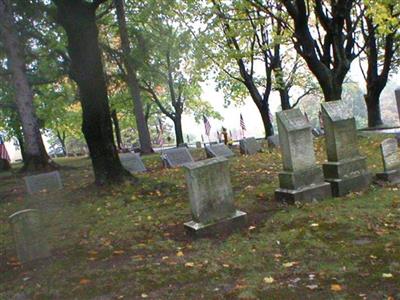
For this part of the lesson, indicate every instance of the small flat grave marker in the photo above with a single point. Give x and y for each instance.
(346, 169)
(47, 181)
(391, 161)
(176, 157)
(30, 240)
(301, 178)
(249, 146)
(132, 162)
(211, 197)
(219, 150)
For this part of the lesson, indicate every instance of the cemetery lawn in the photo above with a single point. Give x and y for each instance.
(128, 242)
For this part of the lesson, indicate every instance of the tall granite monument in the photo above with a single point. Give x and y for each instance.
(346, 169)
(391, 161)
(211, 197)
(30, 240)
(301, 178)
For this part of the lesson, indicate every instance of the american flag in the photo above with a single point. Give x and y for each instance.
(207, 125)
(242, 125)
(3, 151)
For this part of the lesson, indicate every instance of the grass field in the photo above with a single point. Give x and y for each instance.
(127, 242)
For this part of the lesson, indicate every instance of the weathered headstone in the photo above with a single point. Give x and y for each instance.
(249, 146)
(397, 93)
(391, 161)
(46, 181)
(176, 157)
(198, 145)
(132, 162)
(219, 150)
(211, 197)
(346, 169)
(273, 141)
(30, 239)
(301, 178)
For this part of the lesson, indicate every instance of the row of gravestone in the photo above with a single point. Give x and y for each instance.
(210, 189)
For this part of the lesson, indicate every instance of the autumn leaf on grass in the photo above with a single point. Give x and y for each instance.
(179, 254)
(189, 265)
(118, 252)
(387, 275)
(290, 264)
(312, 286)
(336, 287)
(269, 279)
(84, 281)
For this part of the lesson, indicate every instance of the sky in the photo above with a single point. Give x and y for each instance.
(231, 115)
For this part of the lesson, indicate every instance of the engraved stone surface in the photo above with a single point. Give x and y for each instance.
(390, 155)
(177, 157)
(210, 193)
(132, 162)
(43, 182)
(219, 150)
(301, 179)
(249, 146)
(30, 240)
(346, 169)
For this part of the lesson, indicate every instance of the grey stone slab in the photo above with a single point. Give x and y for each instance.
(176, 157)
(249, 146)
(346, 169)
(132, 162)
(301, 178)
(43, 182)
(219, 150)
(390, 155)
(210, 193)
(30, 239)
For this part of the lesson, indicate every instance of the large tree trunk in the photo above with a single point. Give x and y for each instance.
(373, 107)
(132, 81)
(35, 155)
(285, 99)
(79, 21)
(178, 129)
(116, 128)
(267, 122)
(61, 137)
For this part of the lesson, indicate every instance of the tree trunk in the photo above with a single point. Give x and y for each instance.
(132, 81)
(178, 130)
(285, 100)
(21, 143)
(61, 138)
(79, 21)
(116, 128)
(267, 122)
(373, 107)
(35, 155)
(332, 90)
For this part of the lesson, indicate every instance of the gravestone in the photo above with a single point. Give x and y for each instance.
(273, 141)
(198, 145)
(249, 146)
(346, 169)
(391, 161)
(30, 240)
(397, 93)
(176, 157)
(132, 162)
(301, 178)
(43, 182)
(218, 150)
(211, 197)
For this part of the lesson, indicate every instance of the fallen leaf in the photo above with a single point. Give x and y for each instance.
(189, 265)
(84, 281)
(118, 252)
(179, 253)
(336, 287)
(144, 295)
(312, 286)
(290, 264)
(314, 225)
(387, 275)
(269, 279)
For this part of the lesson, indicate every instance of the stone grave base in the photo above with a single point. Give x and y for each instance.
(389, 176)
(309, 193)
(341, 187)
(236, 221)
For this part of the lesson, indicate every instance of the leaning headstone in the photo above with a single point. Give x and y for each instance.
(249, 146)
(47, 181)
(132, 162)
(346, 169)
(219, 150)
(391, 161)
(176, 157)
(211, 197)
(301, 178)
(30, 240)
